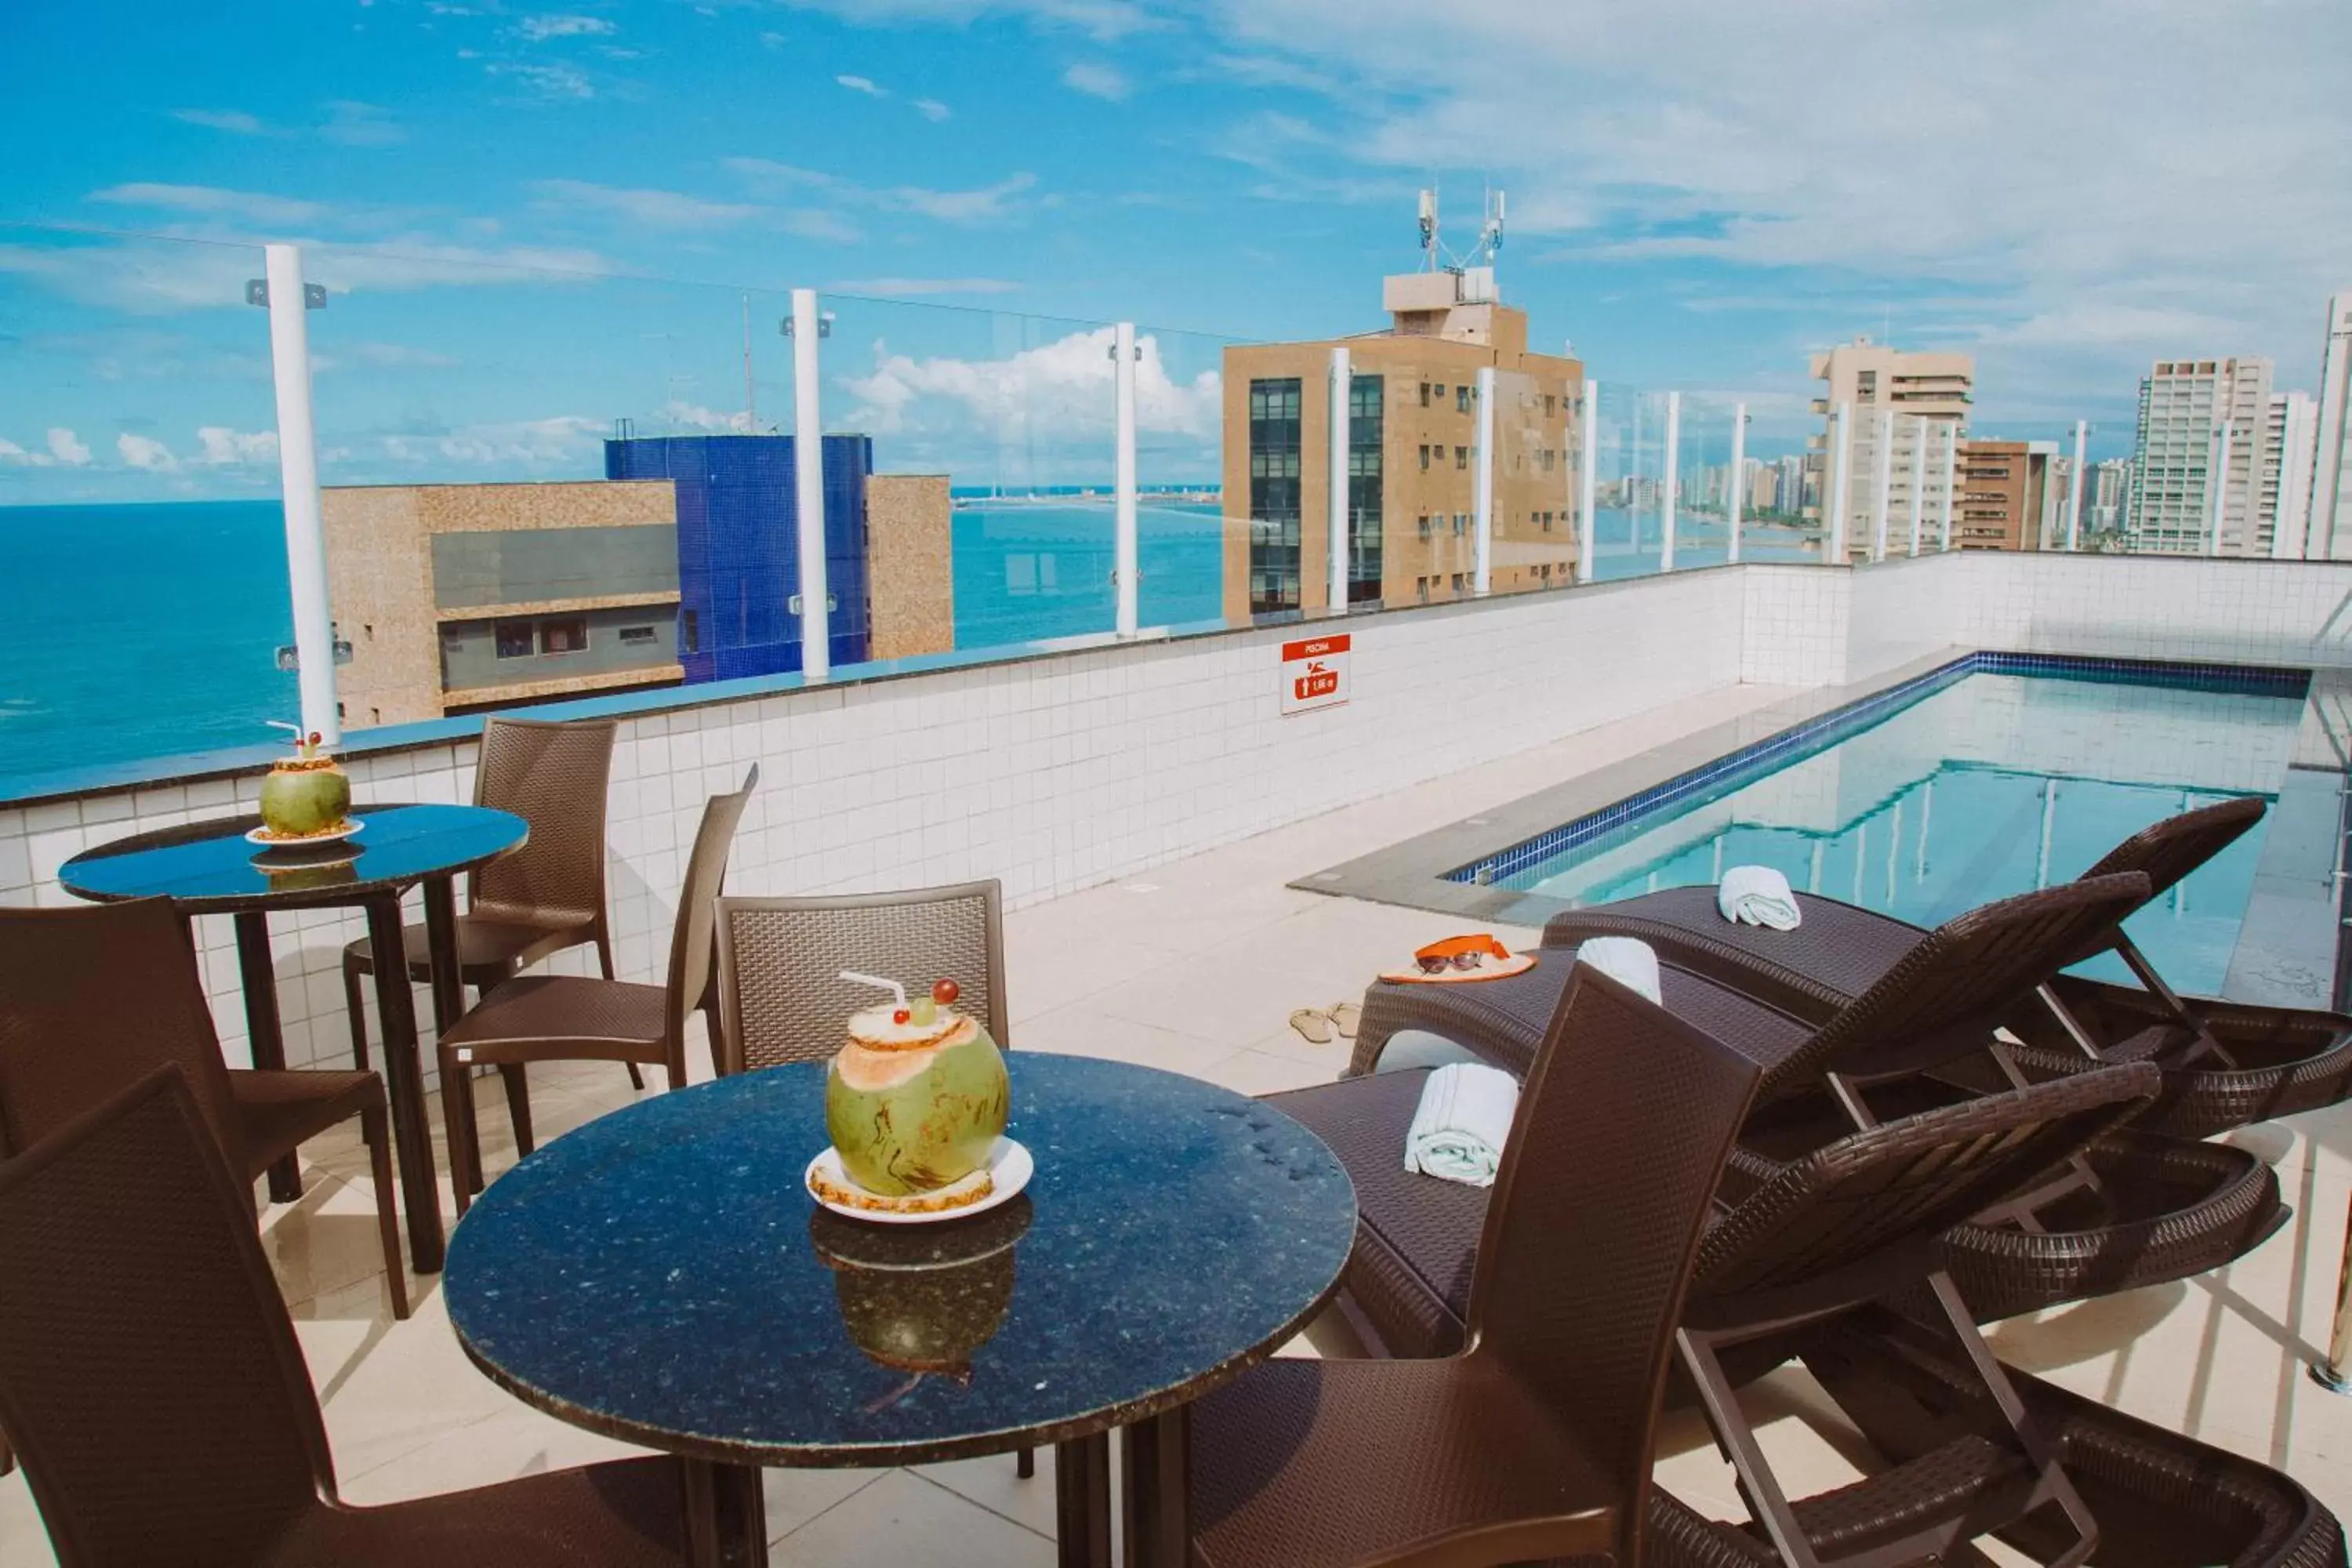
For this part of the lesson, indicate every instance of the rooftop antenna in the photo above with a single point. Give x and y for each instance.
(1436, 258)
(1429, 229)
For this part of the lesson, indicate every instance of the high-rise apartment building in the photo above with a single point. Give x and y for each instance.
(1413, 456)
(1905, 413)
(2108, 495)
(2010, 497)
(2198, 461)
(2289, 444)
(2331, 485)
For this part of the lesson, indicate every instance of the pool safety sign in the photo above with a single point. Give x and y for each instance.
(1314, 674)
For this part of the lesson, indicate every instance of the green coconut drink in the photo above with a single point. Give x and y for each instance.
(306, 793)
(917, 1098)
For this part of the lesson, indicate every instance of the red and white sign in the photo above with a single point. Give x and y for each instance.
(1314, 674)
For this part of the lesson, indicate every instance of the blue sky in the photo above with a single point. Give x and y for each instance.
(536, 220)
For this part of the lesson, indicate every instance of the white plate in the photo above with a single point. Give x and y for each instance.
(1009, 1167)
(334, 835)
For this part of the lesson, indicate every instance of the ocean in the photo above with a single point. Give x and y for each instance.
(152, 630)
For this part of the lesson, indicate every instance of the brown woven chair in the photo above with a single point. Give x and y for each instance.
(547, 896)
(93, 997)
(150, 1376)
(781, 992)
(572, 1017)
(1534, 1443)
(2139, 1209)
(2226, 1064)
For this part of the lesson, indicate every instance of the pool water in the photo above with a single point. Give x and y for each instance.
(1991, 785)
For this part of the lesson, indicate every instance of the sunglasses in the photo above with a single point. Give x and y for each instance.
(1459, 953)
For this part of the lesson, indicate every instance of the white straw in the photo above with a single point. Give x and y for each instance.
(897, 991)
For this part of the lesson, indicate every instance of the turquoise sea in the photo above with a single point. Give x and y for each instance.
(152, 630)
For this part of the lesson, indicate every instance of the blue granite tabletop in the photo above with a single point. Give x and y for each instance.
(660, 1276)
(209, 866)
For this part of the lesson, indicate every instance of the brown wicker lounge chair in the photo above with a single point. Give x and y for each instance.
(781, 992)
(93, 997)
(2226, 1064)
(1534, 1443)
(151, 1377)
(572, 1017)
(1824, 1236)
(547, 896)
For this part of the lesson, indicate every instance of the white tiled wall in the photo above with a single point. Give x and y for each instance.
(1053, 774)
(1060, 773)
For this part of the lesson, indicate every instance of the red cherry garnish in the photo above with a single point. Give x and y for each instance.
(944, 992)
(900, 1015)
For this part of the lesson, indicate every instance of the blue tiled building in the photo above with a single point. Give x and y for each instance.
(738, 545)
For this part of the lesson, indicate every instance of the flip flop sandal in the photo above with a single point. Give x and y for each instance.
(1344, 1014)
(1314, 1025)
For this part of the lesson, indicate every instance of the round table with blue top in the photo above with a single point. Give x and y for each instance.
(662, 1276)
(210, 867)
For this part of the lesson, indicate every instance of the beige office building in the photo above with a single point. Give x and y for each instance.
(1413, 458)
(1906, 412)
(2289, 447)
(2204, 425)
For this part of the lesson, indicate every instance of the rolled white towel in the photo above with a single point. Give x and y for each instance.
(1631, 962)
(1463, 1120)
(1757, 896)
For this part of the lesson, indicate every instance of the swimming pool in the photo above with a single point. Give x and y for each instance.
(1990, 778)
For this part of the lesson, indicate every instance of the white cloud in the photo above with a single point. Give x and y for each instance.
(861, 84)
(15, 457)
(981, 205)
(352, 124)
(932, 109)
(555, 83)
(146, 452)
(562, 440)
(536, 30)
(1103, 19)
(226, 447)
(236, 121)
(694, 416)
(649, 208)
(67, 447)
(1044, 394)
(897, 287)
(151, 279)
(1097, 80)
(212, 201)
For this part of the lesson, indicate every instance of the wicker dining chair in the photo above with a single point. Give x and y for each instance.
(150, 1376)
(1535, 1442)
(780, 962)
(573, 1018)
(545, 897)
(93, 996)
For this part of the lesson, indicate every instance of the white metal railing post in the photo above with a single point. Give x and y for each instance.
(1738, 474)
(1588, 468)
(2074, 490)
(1126, 553)
(1342, 379)
(1951, 476)
(298, 470)
(2221, 508)
(1918, 481)
(1669, 502)
(808, 488)
(1482, 560)
(1836, 483)
(1882, 488)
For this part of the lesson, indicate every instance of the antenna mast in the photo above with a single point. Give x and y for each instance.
(751, 397)
(1436, 258)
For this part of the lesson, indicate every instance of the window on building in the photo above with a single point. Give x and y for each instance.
(1439, 388)
(1366, 440)
(1457, 582)
(516, 639)
(1461, 457)
(569, 635)
(1549, 400)
(636, 636)
(1421, 525)
(1424, 394)
(1420, 588)
(1462, 398)
(1424, 457)
(1274, 403)
(1461, 519)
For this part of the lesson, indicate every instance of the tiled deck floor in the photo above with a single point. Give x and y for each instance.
(1123, 970)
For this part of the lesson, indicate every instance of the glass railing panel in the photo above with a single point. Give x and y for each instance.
(1629, 501)
(1703, 481)
(142, 552)
(1534, 543)
(1192, 523)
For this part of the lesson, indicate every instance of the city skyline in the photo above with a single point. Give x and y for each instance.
(482, 189)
